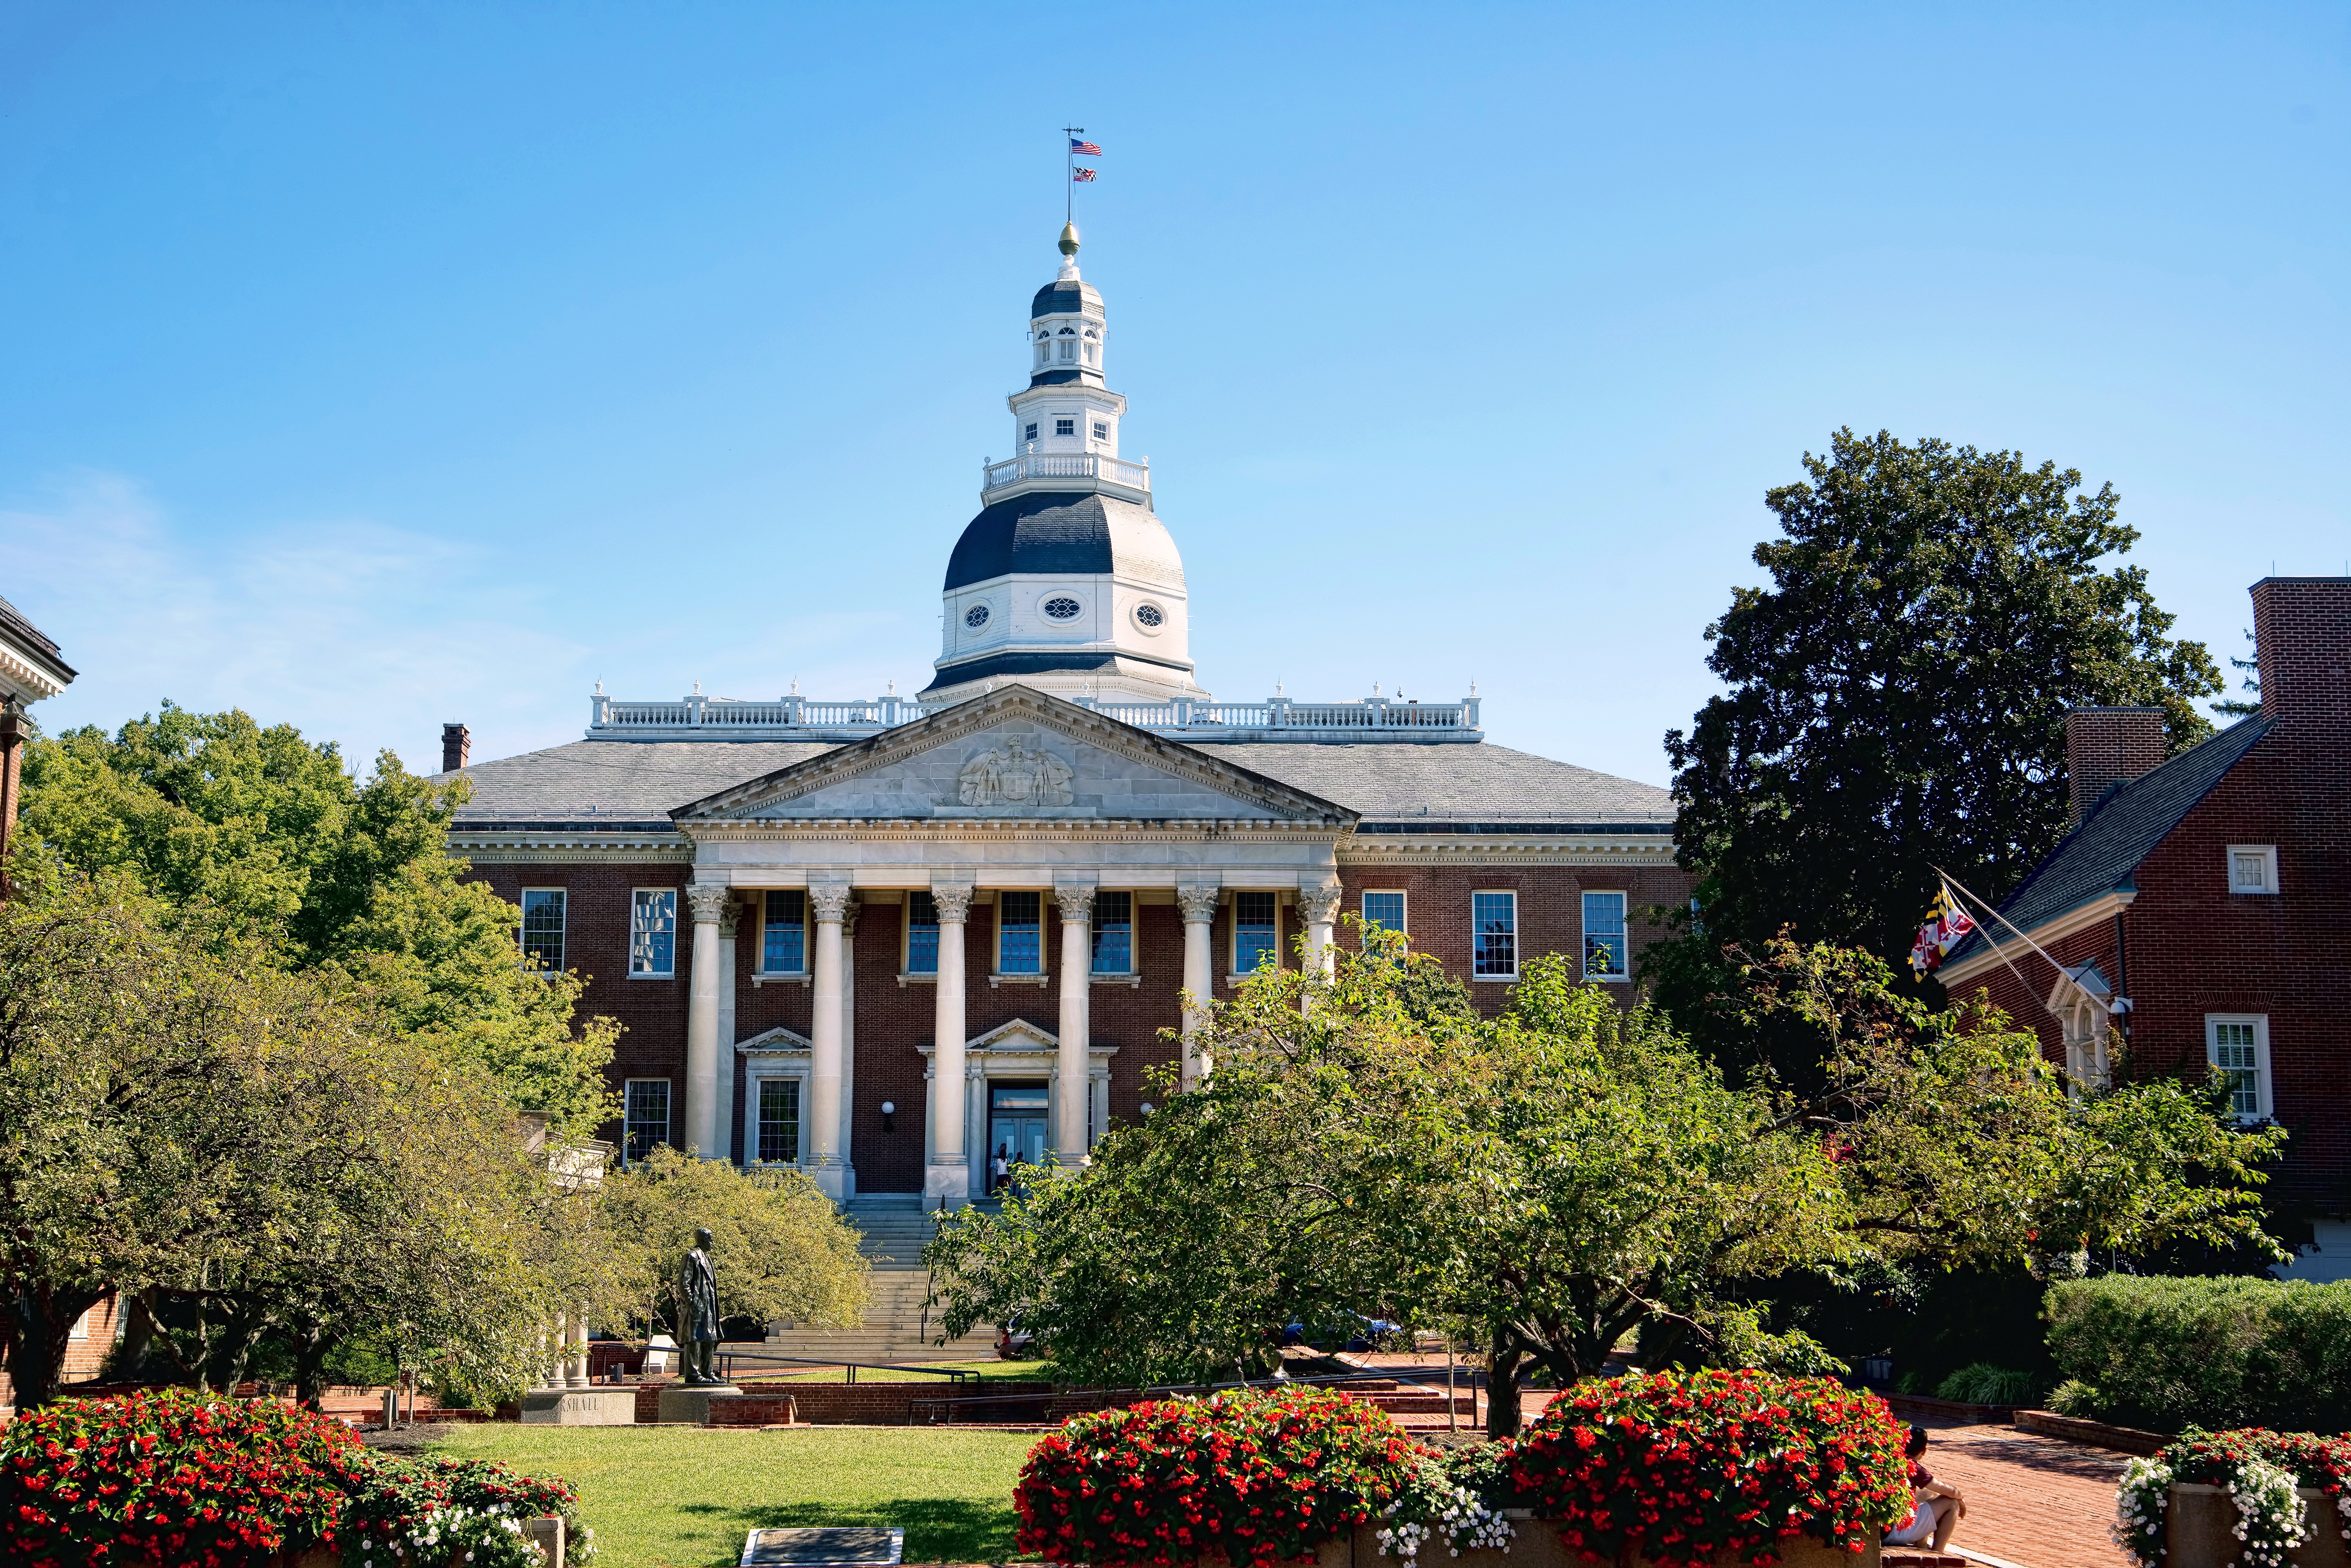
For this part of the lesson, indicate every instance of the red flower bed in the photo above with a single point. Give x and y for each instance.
(1261, 1475)
(1682, 1468)
(2213, 1458)
(172, 1478)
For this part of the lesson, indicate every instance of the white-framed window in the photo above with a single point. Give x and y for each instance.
(2252, 869)
(542, 928)
(1494, 936)
(2238, 1044)
(1385, 911)
(1606, 955)
(1019, 933)
(1256, 931)
(1093, 349)
(653, 933)
(1042, 350)
(1102, 431)
(776, 1133)
(1113, 933)
(644, 1117)
(1068, 426)
(783, 931)
(1068, 348)
(1032, 424)
(921, 945)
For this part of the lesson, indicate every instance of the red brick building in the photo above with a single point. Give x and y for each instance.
(2202, 904)
(885, 941)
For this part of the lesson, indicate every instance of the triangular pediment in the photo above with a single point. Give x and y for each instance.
(1015, 753)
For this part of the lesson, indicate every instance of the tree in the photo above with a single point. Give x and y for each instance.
(2238, 707)
(1895, 700)
(1569, 1179)
(279, 845)
(781, 1250)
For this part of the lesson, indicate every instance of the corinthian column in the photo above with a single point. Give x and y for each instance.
(829, 903)
(729, 922)
(949, 1177)
(1074, 1096)
(702, 1023)
(1318, 905)
(1199, 907)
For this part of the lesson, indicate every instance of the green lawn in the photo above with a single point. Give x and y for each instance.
(677, 1497)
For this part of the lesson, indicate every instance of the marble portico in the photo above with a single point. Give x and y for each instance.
(948, 806)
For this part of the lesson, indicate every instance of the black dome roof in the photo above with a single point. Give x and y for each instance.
(1065, 298)
(1058, 532)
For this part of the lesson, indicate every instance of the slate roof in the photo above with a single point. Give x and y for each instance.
(1069, 297)
(634, 785)
(1057, 532)
(2102, 856)
(29, 637)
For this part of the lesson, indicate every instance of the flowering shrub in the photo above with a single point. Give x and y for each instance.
(1262, 1476)
(1680, 1468)
(170, 1477)
(2261, 1471)
(1455, 1498)
(438, 1510)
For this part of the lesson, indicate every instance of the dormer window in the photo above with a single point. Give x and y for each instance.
(1067, 427)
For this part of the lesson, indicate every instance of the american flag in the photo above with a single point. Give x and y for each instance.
(1084, 149)
(1081, 174)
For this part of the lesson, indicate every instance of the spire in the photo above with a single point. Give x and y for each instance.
(1069, 252)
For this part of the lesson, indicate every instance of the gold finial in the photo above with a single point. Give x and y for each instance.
(1070, 240)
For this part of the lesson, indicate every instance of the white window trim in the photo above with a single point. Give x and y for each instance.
(808, 939)
(751, 1159)
(906, 941)
(1134, 969)
(669, 1124)
(1403, 930)
(995, 971)
(563, 932)
(2261, 1080)
(1233, 932)
(635, 972)
(1517, 938)
(1625, 958)
(2268, 852)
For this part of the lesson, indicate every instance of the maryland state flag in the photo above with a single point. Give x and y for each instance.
(1947, 927)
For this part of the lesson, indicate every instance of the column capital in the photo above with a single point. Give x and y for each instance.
(1199, 904)
(829, 902)
(730, 916)
(953, 902)
(709, 902)
(1319, 904)
(1077, 903)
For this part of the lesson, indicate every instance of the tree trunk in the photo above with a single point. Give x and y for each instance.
(137, 1335)
(312, 1342)
(1502, 1385)
(42, 1318)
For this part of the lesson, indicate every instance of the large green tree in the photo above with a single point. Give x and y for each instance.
(1896, 698)
(277, 841)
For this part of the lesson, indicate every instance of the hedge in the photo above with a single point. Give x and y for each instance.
(2168, 1353)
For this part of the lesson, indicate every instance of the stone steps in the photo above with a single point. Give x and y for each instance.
(891, 1233)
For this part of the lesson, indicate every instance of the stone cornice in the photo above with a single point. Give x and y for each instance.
(1357, 850)
(34, 676)
(932, 830)
(558, 848)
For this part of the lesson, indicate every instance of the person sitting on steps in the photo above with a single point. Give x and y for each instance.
(1936, 1510)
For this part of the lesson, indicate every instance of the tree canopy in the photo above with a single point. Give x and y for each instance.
(1570, 1177)
(1896, 698)
(278, 843)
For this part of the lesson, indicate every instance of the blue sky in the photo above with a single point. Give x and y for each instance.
(369, 366)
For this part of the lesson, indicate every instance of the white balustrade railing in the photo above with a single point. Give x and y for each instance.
(1065, 465)
(798, 718)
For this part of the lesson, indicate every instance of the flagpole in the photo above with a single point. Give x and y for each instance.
(2101, 1006)
(1069, 133)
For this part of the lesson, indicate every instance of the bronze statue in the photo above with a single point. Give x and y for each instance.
(697, 1315)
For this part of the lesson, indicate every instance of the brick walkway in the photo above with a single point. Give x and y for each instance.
(2034, 1501)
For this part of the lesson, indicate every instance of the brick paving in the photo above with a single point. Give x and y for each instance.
(2035, 1502)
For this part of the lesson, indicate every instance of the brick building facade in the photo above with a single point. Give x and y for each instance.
(841, 936)
(2198, 909)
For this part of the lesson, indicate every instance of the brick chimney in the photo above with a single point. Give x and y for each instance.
(2108, 746)
(2302, 636)
(456, 745)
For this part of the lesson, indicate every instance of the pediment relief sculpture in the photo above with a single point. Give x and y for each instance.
(1014, 774)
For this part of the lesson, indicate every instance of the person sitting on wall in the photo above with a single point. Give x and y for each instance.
(1936, 1510)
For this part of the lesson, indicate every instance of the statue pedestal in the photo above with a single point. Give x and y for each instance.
(592, 1407)
(684, 1402)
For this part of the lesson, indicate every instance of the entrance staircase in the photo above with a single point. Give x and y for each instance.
(892, 1230)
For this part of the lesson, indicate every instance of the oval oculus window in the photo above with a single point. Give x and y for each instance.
(1062, 608)
(975, 616)
(1150, 615)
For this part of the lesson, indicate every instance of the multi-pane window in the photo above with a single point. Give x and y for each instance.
(1032, 424)
(783, 933)
(644, 1117)
(1113, 933)
(1069, 352)
(2240, 1048)
(1019, 931)
(1385, 911)
(780, 1121)
(653, 931)
(1494, 935)
(1068, 426)
(542, 928)
(1604, 936)
(1256, 931)
(2252, 869)
(922, 934)
(1102, 431)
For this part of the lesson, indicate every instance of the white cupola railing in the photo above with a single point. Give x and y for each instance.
(1100, 467)
(797, 718)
